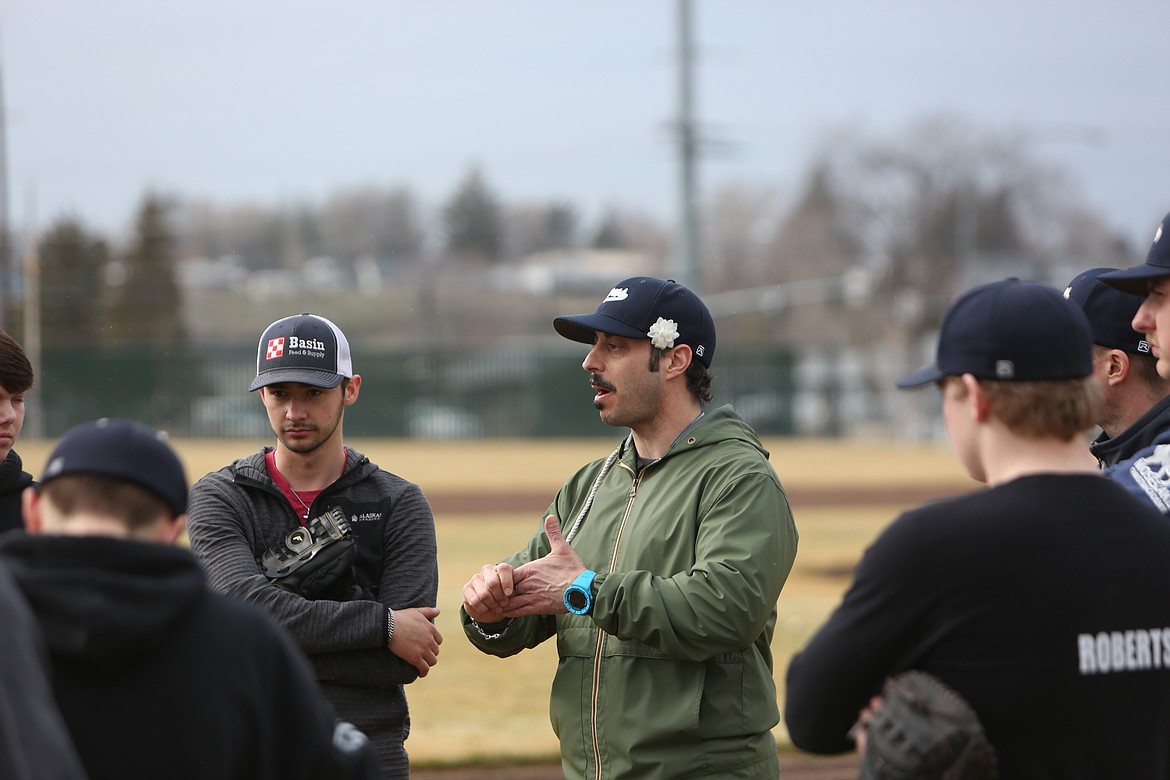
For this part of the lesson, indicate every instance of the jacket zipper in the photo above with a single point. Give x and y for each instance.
(597, 655)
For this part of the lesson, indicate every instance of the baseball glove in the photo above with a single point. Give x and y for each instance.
(924, 730)
(316, 561)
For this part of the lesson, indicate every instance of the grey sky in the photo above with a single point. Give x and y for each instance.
(279, 102)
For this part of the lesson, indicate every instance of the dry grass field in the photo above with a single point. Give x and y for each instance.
(489, 497)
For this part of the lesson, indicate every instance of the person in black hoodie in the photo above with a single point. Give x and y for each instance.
(16, 377)
(154, 675)
(34, 742)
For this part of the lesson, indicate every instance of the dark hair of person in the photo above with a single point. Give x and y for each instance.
(16, 373)
(698, 378)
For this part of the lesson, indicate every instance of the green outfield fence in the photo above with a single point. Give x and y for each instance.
(433, 394)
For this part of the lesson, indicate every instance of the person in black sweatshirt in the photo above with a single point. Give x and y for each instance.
(1043, 599)
(34, 742)
(154, 675)
(16, 378)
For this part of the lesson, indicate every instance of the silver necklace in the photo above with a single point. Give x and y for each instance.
(297, 496)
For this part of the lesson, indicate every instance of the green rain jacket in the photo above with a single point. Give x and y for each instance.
(670, 676)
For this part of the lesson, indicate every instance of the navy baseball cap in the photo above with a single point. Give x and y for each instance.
(1010, 330)
(635, 305)
(1135, 280)
(1110, 311)
(305, 348)
(126, 450)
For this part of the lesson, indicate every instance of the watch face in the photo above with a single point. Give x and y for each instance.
(577, 599)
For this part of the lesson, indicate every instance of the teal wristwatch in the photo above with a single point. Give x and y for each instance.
(579, 595)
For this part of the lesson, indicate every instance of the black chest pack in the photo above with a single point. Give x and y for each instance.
(316, 560)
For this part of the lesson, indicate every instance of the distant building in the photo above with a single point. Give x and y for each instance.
(576, 270)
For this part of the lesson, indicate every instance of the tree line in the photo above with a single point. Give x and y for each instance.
(922, 213)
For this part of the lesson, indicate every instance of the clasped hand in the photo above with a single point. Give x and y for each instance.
(499, 591)
(416, 639)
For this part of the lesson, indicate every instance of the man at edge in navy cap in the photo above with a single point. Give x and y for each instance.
(1146, 473)
(1135, 406)
(1151, 280)
(153, 675)
(1016, 596)
(371, 631)
(661, 587)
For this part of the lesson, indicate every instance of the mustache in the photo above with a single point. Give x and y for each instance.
(596, 380)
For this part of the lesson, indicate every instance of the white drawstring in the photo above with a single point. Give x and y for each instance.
(592, 492)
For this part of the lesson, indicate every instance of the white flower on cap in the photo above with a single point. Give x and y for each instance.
(663, 333)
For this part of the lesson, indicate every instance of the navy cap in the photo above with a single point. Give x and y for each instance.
(1110, 311)
(635, 305)
(305, 348)
(1010, 330)
(122, 449)
(1135, 280)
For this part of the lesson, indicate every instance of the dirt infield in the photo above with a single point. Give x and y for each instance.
(793, 766)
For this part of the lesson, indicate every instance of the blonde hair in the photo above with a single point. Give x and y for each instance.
(1041, 409)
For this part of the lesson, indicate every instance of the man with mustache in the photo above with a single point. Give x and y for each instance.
(367, 626)
(661, 586)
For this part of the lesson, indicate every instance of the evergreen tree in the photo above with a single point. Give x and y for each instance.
(146, 306)
(610, 234)
(473, 222)
(73, 265)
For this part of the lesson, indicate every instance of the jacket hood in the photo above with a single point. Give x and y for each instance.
(724, 424)
(252, 468)
(714, 427)
(103, 604)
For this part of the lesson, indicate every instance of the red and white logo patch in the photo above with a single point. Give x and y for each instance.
(275, 348)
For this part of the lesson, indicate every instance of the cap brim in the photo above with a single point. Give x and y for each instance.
(299, 375)
(584, 327)
(1134, 281)
(927, 375)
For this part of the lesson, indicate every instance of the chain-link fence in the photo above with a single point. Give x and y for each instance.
(504, 392)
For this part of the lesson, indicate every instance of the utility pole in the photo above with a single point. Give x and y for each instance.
(6, 264)
(35, 419)
(687, 272)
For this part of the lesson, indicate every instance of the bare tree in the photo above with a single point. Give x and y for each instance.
(377, 223)
(739, 224)
(922, 215)
(255, 235)
(539, 227)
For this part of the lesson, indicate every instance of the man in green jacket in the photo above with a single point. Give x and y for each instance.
(662, 587)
